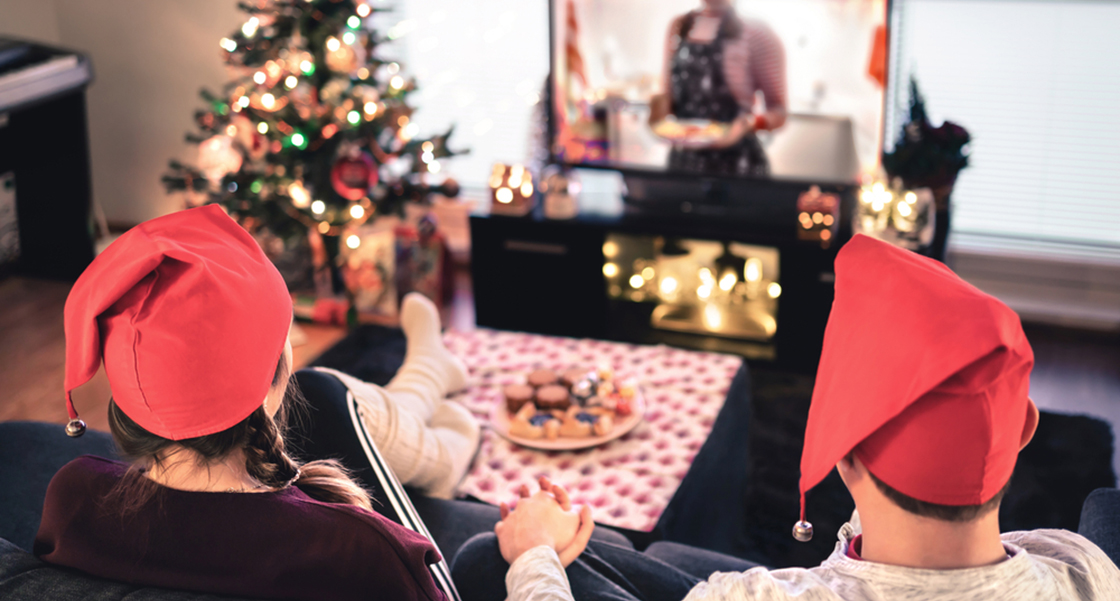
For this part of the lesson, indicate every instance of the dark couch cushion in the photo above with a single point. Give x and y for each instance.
(25, 578)
(30, 454)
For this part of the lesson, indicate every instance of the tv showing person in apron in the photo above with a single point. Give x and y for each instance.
(716, 66)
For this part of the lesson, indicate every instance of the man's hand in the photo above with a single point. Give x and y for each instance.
(544, 518)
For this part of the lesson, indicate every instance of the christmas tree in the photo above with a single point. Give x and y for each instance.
(314, 134)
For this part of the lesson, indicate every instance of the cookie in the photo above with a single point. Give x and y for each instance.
(543, 377)
(516, 396)
(572, 376)
(552, 396)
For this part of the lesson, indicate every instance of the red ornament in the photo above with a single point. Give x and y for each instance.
(352, 177)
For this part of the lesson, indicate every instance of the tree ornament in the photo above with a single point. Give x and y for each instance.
(352, 176)
(218, 157)
(249, 138)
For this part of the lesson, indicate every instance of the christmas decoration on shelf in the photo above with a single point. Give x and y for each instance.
(818, 214)
(511, 190)
(929, 157)
(314, 134)
(902, 217)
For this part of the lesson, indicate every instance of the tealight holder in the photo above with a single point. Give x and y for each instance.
(511, 190)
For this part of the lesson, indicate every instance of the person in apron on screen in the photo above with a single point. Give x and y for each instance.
(715, 65)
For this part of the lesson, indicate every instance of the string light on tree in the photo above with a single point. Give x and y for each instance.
(228, 45)
(249, 29)
(291, 81)
(353, 241)
(262, 127)
(318, 207)
(363, 10)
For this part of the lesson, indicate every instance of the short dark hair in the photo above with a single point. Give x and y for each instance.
(946, 513)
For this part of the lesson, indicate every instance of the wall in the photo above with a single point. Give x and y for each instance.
(149, 61)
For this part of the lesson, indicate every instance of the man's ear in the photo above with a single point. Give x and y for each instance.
(1031, 424)
(847, 467)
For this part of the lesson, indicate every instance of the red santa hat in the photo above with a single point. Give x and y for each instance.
(922, 375)
(190, 318)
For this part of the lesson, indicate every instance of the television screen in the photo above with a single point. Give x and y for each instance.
(784, 89)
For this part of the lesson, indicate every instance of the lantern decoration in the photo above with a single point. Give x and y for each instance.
(511, 190)
(818, 215)
(904, 218)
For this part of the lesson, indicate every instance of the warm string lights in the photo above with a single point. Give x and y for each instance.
(292, 98)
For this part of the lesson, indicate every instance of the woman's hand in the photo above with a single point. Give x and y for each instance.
(544, 518)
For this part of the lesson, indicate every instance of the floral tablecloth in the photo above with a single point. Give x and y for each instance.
(628, 482)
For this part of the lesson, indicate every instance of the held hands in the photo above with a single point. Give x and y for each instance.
(544, 518)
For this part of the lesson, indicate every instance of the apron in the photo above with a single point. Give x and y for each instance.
(699, 90)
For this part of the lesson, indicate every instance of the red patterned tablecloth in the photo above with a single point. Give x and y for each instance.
(627, 482)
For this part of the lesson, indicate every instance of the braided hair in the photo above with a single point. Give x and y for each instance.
(259, 437)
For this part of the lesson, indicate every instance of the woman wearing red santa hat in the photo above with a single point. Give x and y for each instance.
(191, 321)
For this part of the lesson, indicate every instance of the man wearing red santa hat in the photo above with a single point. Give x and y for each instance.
(921, 404)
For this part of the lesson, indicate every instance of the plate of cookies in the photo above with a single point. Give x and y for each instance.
(564, 411)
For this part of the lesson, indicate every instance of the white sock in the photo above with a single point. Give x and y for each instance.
(430, 371)
(458, 430)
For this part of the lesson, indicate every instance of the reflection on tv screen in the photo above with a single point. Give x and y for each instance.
(786, 89)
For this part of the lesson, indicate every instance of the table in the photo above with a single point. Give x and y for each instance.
(628, 482)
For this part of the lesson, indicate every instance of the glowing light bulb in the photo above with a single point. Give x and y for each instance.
(393, 68)
(268, 101)
(363, 73)
(357, 212)
(354, 22)
(349, 38)
(706, 276)
(259, 77)
(427, 147)
(333, 44)
(828, 220)
(712, 317)
(363, 10)
(353, 117)
(727, 281)
(527, 189)
(610, 270)
(290, 82)
(504, 195)
(231, 130)
(496, 181)
(876, 206)
(636, 281)
(704, 291)
(353, 241)
(307, 67)
(324, 227)
(250, 27)
(911, 197)
(228, 45)
(243, 101)
(668, 285)
(298, 139)
(904, 209)
(370, 108)
(825, 234)
(318, 207)
(410, 131)
(434, 167)
(397, 82)
(752, 272)
(299, 195)
(610, 248)
(774, 290)
(818, 217)
(262, 127)
(648, 273)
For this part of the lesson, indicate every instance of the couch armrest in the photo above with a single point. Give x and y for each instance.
(1100, 521)
(30, 454)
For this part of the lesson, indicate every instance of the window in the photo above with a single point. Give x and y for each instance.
(1035, 82)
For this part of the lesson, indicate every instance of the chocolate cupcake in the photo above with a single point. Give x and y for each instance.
(551, 397)
(517, 395)
(542, 377)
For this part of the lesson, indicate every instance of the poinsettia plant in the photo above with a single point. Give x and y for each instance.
(926, 156)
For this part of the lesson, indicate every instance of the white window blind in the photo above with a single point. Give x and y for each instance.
(1036, 83)
(480, 66)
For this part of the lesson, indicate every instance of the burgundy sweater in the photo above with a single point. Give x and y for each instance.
(275, 545)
